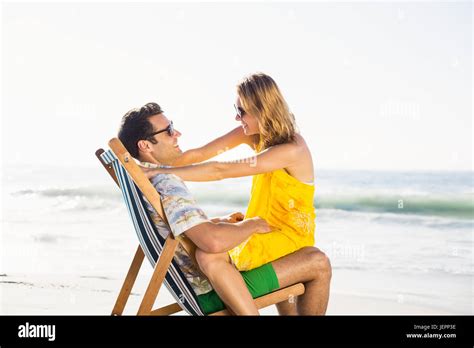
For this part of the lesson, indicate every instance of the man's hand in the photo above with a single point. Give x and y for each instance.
(259, 225)
(230, 219)
(233, 218)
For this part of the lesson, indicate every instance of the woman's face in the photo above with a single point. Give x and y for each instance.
(248, 121)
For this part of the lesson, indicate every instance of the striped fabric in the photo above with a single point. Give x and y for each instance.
(150, 240)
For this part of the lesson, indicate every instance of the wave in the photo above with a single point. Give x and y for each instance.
(79, 192)
(443, 206)
(74, 199)
(454, 206)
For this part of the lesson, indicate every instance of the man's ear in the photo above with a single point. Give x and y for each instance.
(143, 146)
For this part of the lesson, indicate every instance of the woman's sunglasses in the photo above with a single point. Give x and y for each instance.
(240, 111)
(169, 129)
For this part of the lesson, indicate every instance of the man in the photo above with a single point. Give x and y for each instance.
(151, 138)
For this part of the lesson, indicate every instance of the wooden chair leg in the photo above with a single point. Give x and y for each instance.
(158, 276)
(128, 283)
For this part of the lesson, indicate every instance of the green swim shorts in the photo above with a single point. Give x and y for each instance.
(259, 281)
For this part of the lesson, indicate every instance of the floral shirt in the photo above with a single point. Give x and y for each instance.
(182, 213)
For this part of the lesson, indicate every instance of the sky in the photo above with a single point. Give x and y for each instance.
(377, 86)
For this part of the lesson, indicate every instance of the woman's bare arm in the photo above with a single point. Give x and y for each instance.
(219, 145)
(276, 157)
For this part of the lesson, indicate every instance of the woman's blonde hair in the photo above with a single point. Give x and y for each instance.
(261, 97)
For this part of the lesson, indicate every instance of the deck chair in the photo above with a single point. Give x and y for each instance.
(160, 251)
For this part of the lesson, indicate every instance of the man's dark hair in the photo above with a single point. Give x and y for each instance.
(135, 126)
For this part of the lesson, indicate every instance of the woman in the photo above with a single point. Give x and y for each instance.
(282, 170)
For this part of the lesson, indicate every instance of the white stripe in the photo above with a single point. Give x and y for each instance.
(181, 283)
(151, 235)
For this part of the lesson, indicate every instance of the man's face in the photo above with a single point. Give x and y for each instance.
(166, 150)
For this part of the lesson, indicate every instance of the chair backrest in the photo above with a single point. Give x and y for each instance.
(150, 240)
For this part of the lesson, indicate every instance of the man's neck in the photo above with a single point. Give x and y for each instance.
(150, 159)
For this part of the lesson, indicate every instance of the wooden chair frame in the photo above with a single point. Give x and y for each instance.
(166, 256)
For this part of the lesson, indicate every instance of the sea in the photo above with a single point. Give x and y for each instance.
(400, 236)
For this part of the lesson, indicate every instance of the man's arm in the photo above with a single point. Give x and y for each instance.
(218, 237)
(185, 216)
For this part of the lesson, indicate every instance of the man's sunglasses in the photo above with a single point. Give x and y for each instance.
(240, 111)
(169, 129)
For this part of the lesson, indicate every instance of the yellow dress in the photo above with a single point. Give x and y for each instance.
(286, 203)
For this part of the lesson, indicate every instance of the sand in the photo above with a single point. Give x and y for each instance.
(95, 295)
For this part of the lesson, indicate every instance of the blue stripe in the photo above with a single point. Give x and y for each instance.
(186, 287)
(150, 240)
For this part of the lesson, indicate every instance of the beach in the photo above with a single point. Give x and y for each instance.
(95, 295)
(67, 241)
(381, 91)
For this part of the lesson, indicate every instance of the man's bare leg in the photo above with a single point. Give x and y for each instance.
(227, 282)
(288, 307)
(312, 267)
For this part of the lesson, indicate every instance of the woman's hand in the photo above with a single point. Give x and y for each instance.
(149, 172)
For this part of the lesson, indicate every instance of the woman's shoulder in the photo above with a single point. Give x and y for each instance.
(292, 148)
(297, 145)
(299, 140)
